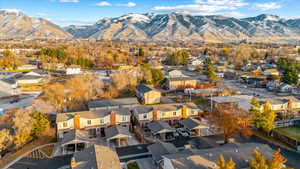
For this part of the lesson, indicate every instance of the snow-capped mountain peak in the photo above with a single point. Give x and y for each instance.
(134, 17)
(11, 12)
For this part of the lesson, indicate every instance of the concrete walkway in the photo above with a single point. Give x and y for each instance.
(145, 163)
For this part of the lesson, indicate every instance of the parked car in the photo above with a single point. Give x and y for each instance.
(175, 134)
(15, 100)
(182, 132)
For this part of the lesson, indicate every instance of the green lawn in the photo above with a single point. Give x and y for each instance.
(200, 101)
(133, 165)
(293, 132)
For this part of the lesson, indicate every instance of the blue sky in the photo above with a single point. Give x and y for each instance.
(66, 12)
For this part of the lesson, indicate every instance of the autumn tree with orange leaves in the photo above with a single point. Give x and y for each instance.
(231, 121)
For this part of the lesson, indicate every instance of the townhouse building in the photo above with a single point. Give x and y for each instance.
(171, 113)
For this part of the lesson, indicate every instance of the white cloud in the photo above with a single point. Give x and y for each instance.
(266, 6)
(204, 6)
(103, 3)
(73, 1)
(129, 4)
(233, 3)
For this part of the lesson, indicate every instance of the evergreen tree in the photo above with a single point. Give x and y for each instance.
(41, 123)
(211, 73)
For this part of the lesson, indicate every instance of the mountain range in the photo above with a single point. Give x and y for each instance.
(177, 26)
(15, 24)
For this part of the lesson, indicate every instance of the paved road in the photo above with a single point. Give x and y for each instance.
(292, 157)
(258, 92)
(48, 163)
(22, 103)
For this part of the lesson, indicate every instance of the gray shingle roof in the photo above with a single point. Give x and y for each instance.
(92, 114)
(159, 127)
(198, 159)
(116, 131)
(113, 102)
(191, 123)
(181, 78)
(160, 148)
(75, 136)
(279, 100)
(97, 157)
(144, 88)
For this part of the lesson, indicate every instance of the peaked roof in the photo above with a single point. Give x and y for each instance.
(192, 123)
(145, 88)
(159, 127)
(75, 136)
(160, 148)
(60, 117)
(241, 154)
(116, 132)
(97, 157)
(113, 102)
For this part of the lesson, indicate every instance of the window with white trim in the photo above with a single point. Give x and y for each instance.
(65, 124)
(124, 118)
(89, 122)
(145, 116)
(101, 121)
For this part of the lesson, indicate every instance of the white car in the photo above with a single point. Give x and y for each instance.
(182, 132)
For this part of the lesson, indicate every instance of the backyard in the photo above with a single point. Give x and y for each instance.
(292, 132)
(132, 165)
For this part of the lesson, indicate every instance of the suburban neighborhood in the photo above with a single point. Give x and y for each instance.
(194, 84)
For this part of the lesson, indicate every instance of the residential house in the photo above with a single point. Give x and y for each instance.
(170, 113)
(161, 130)
(271, 72)
(174, 83)
(174, 73)
(194, 63)
(147, 94)
(74, 141)
(129, 102)
(285, 88)
(241, 154)
(237, 101)
(118, 135)
(94, 121)
(160, 149)
(196, 127)
(95, 157)
(273, 85)
(73, 70)
(27, 67)
(279, 104)
(8, 87)
(31, 81)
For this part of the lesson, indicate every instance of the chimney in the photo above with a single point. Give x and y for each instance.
(155, 114)
(73, 162)
(184, 112)
(77, 121)
(113, 118)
